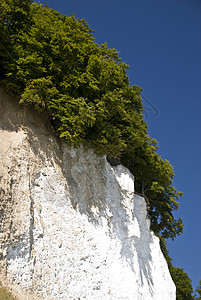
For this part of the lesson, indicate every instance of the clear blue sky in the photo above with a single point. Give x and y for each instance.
(161, 41)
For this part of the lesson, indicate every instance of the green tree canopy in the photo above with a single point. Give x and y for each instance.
(54, 63)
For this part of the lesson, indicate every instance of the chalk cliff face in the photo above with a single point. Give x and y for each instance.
(70, 224)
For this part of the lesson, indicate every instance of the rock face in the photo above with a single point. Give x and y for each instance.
(71, 226)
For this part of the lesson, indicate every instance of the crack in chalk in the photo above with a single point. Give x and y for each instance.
(31, 220)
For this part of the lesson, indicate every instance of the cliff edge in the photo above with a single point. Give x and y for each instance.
(71, 226)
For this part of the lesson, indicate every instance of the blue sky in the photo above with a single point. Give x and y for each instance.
(161, 42)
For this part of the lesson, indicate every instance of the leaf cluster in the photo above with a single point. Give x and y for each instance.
(184, 288)
(153, 180)
(54, 63)
(183, 283)
(198, 291)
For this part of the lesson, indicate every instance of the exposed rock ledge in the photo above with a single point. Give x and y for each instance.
(71, 226)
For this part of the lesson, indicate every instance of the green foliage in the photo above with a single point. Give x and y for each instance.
(53, 62)
(14, 18)
(184, 289)
(183, 284)
(198, 291)
(15, 14)
(153, 179)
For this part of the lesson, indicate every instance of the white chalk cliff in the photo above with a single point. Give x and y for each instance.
(71, 226)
